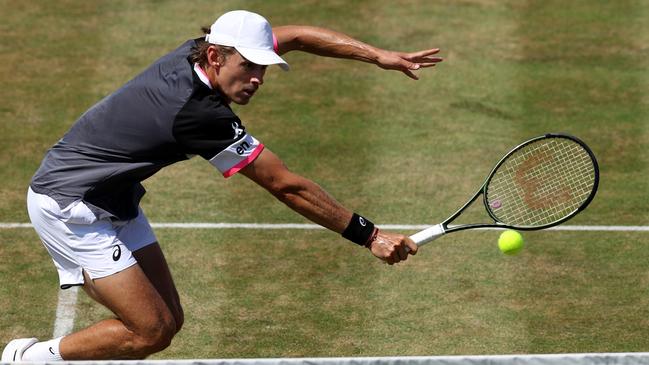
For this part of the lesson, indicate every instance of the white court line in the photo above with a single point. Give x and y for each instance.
(593, 228)
(65, 312)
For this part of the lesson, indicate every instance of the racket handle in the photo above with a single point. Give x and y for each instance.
(428, 234)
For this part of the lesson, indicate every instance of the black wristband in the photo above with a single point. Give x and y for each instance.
(360, 230)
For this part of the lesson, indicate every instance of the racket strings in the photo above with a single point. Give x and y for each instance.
(541, 183)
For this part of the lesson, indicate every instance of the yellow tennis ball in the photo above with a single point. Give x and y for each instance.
(510, 242)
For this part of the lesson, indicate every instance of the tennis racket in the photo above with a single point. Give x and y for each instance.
(540, 183)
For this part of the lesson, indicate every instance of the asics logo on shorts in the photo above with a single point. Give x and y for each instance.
(117, 253)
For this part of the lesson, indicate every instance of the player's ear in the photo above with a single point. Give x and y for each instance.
(214, 59)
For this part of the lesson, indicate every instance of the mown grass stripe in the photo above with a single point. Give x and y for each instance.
(581, 72)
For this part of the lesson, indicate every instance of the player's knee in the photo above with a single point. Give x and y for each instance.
(157, 337)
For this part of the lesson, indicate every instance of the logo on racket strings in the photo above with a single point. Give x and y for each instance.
(542, 189)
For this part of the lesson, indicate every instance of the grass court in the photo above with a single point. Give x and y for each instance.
(395, 150)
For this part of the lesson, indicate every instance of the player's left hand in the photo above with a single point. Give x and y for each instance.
(408, 62)
(392, 248)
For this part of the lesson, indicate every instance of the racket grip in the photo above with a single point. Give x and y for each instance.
(428, 234)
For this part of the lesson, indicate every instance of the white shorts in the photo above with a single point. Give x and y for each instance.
(78, 241)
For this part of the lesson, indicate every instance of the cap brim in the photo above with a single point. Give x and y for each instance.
(263, 57)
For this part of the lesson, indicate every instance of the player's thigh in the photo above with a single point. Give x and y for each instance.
(154, 265)
(134, 300)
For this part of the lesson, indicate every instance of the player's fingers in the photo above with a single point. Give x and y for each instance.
(402, 252)
(427, 61)
(410, 74)
(395, 257)
(427, 64)
(411, 246)
(422, 54)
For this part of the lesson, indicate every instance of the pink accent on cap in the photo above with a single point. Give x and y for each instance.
(275, 45)
(234, 169)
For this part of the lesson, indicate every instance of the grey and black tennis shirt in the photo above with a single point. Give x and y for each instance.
(166, 114)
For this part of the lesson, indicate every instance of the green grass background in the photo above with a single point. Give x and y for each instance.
(396, 150)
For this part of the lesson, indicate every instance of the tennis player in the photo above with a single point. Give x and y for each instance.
(84, 199)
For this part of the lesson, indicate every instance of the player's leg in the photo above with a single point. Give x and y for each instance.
(149, 333)
(153, 263)
(138, 237)
(144, 323)
(104, 249)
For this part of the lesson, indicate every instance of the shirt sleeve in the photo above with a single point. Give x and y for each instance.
(215, 133)
(237, 156)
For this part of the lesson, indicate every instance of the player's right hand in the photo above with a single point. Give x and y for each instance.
(392, 248)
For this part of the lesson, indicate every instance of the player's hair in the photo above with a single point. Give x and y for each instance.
(199, 51)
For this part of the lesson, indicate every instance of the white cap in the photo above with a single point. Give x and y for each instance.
(249, 33)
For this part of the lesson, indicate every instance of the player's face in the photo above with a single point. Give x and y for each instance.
(238, 79)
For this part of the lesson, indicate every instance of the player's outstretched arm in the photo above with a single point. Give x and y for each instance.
(310, 200)
(329, 43)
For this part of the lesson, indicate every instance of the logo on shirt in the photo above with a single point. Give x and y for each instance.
(237, 131)
(242, 148)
